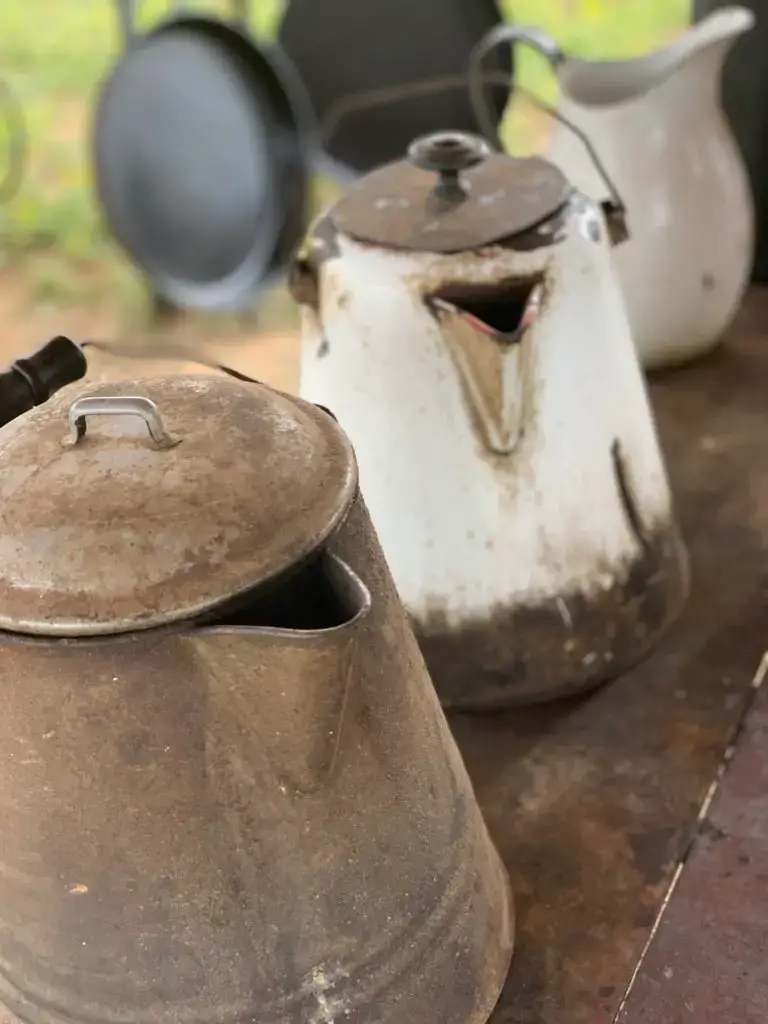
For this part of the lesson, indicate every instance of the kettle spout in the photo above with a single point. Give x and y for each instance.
(280, 669)
(485, 328)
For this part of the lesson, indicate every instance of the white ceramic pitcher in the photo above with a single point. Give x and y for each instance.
(658, 126)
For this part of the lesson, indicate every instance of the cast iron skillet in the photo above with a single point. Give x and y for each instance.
(343, 48)
(202, 147)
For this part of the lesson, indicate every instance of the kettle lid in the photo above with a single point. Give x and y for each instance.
(137, 504)
(451, 194)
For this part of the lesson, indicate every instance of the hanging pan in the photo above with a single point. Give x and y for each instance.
(349, 49)
(202, 146)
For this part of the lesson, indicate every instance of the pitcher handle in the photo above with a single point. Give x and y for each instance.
(512, 34)
(614, 208)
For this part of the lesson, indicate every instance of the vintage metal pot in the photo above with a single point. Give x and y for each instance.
(227, 790)
(468, 330)
(658, 125)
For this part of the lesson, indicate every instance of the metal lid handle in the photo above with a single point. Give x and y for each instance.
(129, 405)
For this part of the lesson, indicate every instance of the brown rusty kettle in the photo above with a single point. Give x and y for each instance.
(227, 791)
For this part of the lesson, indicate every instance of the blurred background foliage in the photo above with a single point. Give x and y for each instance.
(55, 52)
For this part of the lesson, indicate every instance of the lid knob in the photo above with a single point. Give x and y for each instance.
(448, 154)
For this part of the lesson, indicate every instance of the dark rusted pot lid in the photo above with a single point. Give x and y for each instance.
(123, 531)
(397, 205)
(202, 148)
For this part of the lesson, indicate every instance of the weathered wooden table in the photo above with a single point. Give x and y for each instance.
(635, 823)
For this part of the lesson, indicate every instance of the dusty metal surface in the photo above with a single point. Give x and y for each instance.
(593, 803)
(266, 824)
(708, 963)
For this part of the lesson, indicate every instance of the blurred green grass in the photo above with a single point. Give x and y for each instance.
(55, 52)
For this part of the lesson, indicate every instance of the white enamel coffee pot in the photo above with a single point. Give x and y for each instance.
(462, 319)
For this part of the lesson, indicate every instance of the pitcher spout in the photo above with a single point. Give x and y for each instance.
(723, 26)
(280, 669)
(610, 83)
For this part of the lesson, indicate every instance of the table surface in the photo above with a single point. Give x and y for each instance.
(603, 809)
(598, 806)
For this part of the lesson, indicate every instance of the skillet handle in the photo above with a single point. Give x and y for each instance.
(241, 12)
(126, 11)
(126, 16)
